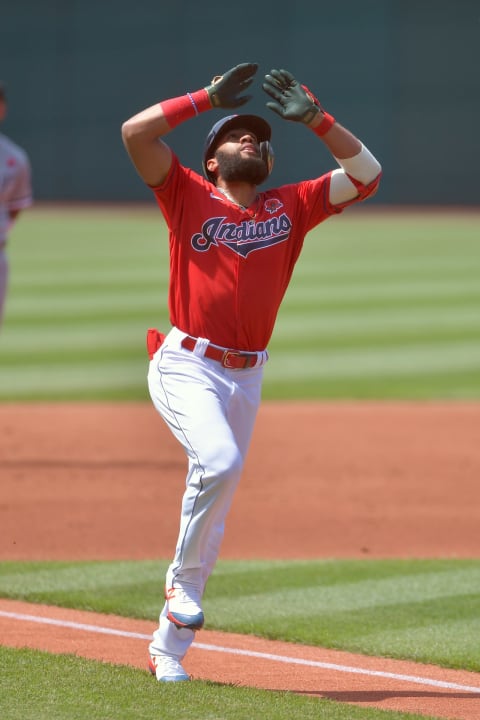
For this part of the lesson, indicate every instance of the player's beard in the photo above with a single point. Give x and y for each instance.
(235, 168)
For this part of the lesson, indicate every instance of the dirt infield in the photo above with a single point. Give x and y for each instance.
(104, 481)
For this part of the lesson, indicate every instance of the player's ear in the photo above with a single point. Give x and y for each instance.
(212, 165)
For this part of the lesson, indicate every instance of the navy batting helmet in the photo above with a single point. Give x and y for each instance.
(256, 124)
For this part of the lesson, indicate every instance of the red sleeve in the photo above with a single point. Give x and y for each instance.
(168, 195)
(313, 204)
(182, 187)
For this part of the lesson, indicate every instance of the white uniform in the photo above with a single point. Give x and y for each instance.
(15, 194)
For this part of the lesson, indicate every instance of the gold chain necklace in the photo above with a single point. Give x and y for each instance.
(242, 207)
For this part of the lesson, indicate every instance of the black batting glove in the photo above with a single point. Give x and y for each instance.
(225, 90)
(290, 100)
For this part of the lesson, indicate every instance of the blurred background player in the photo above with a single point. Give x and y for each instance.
(15, 192)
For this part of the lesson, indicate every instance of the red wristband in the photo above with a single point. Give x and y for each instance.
(177, 110)
(327, 122)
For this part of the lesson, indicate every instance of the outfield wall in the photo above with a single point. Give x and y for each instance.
(403, 74)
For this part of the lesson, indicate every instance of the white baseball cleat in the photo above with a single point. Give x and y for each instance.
(167, 669)
(184, 609)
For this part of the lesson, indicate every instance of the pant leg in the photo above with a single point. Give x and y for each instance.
(170, 640)
(211, 411)
(241, 415)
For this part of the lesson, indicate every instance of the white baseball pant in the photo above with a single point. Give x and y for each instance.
(211, 410)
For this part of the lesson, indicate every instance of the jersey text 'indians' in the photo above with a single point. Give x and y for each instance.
(243, 237)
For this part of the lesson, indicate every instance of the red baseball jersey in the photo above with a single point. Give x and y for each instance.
(230, 267)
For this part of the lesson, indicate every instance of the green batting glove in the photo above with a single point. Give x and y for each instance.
(225, 90)
(290, 99)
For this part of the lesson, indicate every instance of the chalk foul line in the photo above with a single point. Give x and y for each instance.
(83, 627)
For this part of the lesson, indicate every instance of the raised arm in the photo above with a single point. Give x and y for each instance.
(141, 136)
(359, 173)
(142, 133)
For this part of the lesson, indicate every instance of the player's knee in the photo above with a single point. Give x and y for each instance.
(230, 466)
(225, 466)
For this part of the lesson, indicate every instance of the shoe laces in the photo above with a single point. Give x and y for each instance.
(171, 666)
(183, 596)
(167, 665)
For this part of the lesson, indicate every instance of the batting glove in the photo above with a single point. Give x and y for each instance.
(291, 100)
(225, 90)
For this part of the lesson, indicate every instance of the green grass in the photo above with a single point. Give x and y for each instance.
(423, 610)
(381, 305)
(70, 688)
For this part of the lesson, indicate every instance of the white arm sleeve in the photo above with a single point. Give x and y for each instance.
(363, 167)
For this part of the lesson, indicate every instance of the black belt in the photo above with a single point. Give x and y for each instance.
(232, 359)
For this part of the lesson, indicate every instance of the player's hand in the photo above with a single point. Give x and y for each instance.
(290, 100)
(225, 91)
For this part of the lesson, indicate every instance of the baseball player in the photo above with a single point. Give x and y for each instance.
(232, 253)
(15, 193)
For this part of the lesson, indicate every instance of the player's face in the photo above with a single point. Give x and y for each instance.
(239, 158)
